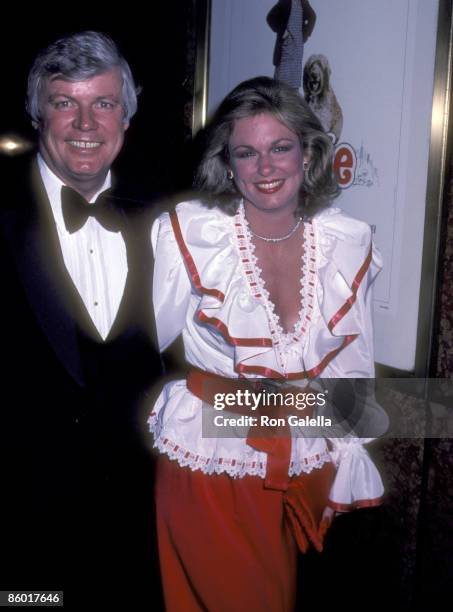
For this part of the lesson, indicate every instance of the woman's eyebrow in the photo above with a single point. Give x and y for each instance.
(274, 142)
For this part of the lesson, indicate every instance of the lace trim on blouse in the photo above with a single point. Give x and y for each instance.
(236, 468)
(281, 340)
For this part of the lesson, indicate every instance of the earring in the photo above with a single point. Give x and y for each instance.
(230, 175)
(305, 165)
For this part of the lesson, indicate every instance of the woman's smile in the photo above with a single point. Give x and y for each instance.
(270, 186)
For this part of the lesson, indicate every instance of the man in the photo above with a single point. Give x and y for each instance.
(77, 322)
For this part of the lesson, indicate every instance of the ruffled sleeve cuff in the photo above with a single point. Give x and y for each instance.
(358, 483)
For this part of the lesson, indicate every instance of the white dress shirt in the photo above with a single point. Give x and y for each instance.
(94, 257)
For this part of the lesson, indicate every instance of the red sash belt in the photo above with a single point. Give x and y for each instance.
(305, 497)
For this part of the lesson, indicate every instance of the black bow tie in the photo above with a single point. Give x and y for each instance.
(76, 210)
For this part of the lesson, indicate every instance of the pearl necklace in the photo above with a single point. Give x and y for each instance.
(282, 238)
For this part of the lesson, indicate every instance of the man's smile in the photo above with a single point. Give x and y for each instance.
(84, 144)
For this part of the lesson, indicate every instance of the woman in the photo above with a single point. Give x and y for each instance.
(263, 280)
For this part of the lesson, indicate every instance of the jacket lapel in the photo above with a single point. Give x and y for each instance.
(56, 302)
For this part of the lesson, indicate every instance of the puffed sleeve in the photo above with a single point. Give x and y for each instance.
(171, 284)
(358, 483)
(352, 265)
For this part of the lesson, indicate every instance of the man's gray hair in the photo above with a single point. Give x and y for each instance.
(79, 57)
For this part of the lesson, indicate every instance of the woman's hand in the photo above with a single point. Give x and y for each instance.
(326, 521)
(328, 515)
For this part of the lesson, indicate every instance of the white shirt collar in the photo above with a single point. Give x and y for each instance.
(53, 187)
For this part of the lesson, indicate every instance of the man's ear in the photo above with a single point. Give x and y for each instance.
(125, 125)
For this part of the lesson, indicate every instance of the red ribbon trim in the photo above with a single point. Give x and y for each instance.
(352, 298)
(223, 329)
(261, 370)
(192, 268)
(269, 373)
(316, 371)
(360, 503)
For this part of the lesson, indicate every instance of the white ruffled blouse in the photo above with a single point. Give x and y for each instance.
(208, 286)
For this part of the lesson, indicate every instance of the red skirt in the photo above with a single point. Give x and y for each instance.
(229, 544)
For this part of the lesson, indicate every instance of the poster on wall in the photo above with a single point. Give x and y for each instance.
(367, 71)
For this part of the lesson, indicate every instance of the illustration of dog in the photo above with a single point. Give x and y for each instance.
(320, 96)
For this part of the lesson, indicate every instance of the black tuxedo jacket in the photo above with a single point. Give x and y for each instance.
(76, 471)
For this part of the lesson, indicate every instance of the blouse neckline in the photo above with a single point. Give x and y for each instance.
(282, 341)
